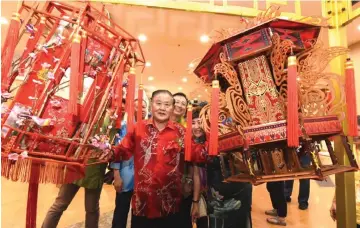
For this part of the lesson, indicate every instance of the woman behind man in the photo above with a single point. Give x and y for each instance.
(228, 203)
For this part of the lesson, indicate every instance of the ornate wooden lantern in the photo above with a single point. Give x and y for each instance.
(73, 67)
(274, 100)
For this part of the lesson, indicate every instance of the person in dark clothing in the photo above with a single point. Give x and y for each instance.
(228, 204)
(277, 196)
(304, 187)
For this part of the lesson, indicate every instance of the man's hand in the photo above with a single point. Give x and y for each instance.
(195, 211)
(333, 211)
(106, 155)
(118, 182)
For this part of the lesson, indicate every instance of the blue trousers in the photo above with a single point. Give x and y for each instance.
(304, 187)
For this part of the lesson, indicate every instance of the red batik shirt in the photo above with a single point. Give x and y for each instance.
(158, 165)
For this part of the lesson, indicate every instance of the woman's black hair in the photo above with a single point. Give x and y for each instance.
(156, 92)
(182, 95)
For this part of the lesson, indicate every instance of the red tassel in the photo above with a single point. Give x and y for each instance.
(82, 62)
(214, 116)
(33, 190)
(350, 98)
(74, 75)
(31, 43)
(140, 103)
(119, 96)
(188, 135)
(8, 50)
(292, 104)
(130, 99)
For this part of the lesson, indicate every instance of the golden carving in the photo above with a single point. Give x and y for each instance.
(278, 60)
(315, 20)
(316, 161)
(234, 102)
(220, 34)
(321, 93)
(250, 167)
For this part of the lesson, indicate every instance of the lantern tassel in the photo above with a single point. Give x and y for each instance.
(350, 98)
(119, 96)
(82, 62)
(130, 99)
(140, 102)
(188, 134)
(8, 51)
(214, 116)
(74, 75)
(292, 104)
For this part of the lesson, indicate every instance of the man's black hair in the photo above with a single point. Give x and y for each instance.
(156, 92)
(182, 95)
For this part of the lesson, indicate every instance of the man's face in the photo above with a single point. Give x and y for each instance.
(197, 128)
(143, 111)
(180, 106)
(162, 106)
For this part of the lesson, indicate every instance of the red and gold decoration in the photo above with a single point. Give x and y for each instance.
(188, 134)
(7, 53)
(214, 119)
(292, 122)
(350, 98)
(73, 72)
(274, 98)
(130, 97)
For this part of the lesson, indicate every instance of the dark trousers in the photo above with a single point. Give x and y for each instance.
(63, 200)
(171, 221)
(236, 219)
(122, 206)
(304, 188)
(185, 212)
(276, 190)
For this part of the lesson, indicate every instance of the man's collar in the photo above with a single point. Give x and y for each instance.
(170, 123)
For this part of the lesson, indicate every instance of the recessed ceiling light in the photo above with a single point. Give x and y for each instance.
(150, 78)
(206, 90)
(359, 27)
(191, 65)
(180, 88)
(204, 38)
(148, 64)
(199, 96)
(152, 88)
(142, 37)
(3, 21)
(184, 79)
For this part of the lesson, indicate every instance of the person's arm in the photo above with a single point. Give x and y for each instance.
(333, 208)
(195, 211)
(126, 148)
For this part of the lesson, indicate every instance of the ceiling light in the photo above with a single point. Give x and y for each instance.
(359, 27)
(142, 37)
(150, 78)
(180, 88)
(148, 64)
(191, 65)
(3, 21)
(184, 79)
(204, 38)
(199, 96)
(284, 17)
(152, 88)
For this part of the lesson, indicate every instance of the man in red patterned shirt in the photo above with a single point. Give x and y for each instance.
(158, 148)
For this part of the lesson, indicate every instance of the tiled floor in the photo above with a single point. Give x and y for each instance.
(13, 206)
